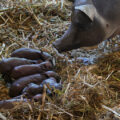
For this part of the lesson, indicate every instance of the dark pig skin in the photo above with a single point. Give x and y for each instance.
(25, 70)
(9, 104)
(38, 97)
(31, 54)
(92, 21)
(32, 89)
(53, 74)
(7, 65)
(17, 87)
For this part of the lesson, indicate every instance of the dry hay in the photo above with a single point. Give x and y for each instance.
(85, 88)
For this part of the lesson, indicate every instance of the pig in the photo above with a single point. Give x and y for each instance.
(92, 21)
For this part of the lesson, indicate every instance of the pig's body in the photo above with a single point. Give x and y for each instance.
(92, 21)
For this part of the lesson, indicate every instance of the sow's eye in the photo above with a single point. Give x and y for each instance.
(80, 19)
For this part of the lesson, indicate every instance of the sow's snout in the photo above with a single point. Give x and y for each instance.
(91, 23)
(65, 43)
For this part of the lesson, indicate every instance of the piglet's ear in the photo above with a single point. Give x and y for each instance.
(88, 9)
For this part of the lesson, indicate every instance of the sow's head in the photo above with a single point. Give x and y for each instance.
(89, 25)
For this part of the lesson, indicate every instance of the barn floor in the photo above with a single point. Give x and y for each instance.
(89, 92)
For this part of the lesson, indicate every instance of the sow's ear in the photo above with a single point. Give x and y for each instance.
(88, 9)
